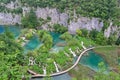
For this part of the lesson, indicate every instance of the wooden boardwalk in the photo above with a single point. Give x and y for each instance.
(62, 72)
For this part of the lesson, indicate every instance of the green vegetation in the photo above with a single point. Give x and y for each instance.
(104, 9)
(12, 58)
(118, 41)
(107, 10)
(59, 28)
(66, 36)
(110, 54)
(84, 73)
(30, 20)
(12, 63)
(98, 37)
(46, 38)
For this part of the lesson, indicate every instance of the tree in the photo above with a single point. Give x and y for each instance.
(101, 75)
(118, 41)
(47, 39)
(84, 32)
(30, 20)
(12, 63)
(59, 28)
(79, 32)
(111, 40)
(100, 39)
(93, 34)
(66, 36)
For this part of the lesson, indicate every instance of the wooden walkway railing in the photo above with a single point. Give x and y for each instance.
(62, 72)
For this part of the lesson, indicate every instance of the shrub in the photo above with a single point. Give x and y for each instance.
(66, 36)
(59, 28)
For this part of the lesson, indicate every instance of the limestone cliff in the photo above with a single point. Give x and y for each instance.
(77, 22)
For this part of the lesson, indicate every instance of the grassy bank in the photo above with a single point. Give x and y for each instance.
(81, 72)
(110, 54)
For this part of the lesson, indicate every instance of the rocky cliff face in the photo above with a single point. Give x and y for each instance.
(87, 23)
(56, 18)
(62, 18)
(111, 30)
(9, 19)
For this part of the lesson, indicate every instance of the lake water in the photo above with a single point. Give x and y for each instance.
(1, 29)
(32, 44)
(15, 30)
(92, 60)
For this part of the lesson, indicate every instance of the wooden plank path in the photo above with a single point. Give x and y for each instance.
(62, 72)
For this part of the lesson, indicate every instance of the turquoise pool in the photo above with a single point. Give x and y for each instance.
(15, 30)
(35, 42)
(1, 29)
(32, 44)
(56, 38)
(92, 60)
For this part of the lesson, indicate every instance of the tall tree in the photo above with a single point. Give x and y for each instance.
(30, 20)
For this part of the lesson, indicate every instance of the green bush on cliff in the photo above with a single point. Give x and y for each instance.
(30, 20)
(59, 28)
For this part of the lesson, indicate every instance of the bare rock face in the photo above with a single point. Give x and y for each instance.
(112, 29)
(86, 23)
(9, 19)
(56, 17)
(45, 27)
(12, 5)
(25, 10)
(42, 13)
(64, 19)
(54, 14)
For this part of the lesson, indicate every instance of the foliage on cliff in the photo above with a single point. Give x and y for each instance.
(105, 9)
(30, 20)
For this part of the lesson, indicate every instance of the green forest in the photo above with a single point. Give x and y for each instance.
(15, 56)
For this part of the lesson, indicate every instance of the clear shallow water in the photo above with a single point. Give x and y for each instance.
(92, 60)
(60, 77)
(13, 29)
(56, 40)
(32, 44)
(1, 29)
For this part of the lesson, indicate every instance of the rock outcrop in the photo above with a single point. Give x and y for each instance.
(87, 23)
(111, 30)
(57, 18)
(9, 19)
